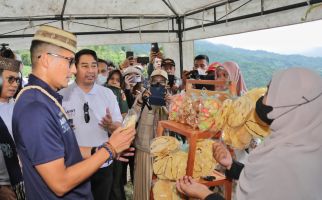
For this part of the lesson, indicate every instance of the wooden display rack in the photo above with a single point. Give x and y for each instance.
(231, 87)
(192, 137)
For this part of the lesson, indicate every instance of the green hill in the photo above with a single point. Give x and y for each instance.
(256, 66)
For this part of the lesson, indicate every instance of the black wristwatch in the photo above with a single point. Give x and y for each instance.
(93, 150)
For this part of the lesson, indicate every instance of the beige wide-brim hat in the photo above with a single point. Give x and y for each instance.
(132, 70)
(160, 72)
(9, 64)
(56, 36)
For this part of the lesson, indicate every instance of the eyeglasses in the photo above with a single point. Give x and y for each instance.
(156, 82)
(86, 113)
(70, 60)
(12, 79)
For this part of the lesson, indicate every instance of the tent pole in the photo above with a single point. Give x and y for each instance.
(179, 20)
(62, 14)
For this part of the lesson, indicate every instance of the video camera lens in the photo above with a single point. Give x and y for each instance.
(194, 74)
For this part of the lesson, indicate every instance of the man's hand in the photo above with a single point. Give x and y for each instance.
(142, 95)
(127, 153)
(222, 155)
(175, 88)
(168, 98)
(106, 121)
(189, 187)
(122, 138)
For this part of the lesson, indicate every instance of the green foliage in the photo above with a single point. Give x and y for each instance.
(26, 71)
(25, 57)
(116, 53)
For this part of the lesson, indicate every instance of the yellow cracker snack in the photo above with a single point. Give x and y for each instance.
(165, 190)
(204, 161)
(256, 93)
(159, 165)
(164, 145)
(243, 135)
(224, 111)
(236, 143)
(176, 165)
(240, 111)
(172, 166)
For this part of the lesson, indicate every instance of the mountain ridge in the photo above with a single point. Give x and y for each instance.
(257, 66)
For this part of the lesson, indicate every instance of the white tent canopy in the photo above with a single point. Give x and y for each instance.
(176, 23)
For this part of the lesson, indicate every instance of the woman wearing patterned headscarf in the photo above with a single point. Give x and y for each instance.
(235, 76)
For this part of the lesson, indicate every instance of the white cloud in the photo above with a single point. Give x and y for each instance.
(285, 40)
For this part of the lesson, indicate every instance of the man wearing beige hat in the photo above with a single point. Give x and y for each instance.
(11, 183)
(54, 167)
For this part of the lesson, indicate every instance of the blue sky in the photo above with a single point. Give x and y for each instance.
(294, 39)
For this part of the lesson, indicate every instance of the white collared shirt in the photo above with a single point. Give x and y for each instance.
(98, 99)
(6, 110)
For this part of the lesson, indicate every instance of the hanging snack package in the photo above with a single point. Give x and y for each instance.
(191, 109)
(208, 112)
(175, 107)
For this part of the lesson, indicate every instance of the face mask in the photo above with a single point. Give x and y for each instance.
(101, 80)
(262, 111)
(201, 71)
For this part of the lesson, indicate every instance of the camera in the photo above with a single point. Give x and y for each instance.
(194, 74)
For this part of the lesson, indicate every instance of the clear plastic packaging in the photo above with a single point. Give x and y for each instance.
(130, 119)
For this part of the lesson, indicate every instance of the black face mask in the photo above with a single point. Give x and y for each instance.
(262, 111)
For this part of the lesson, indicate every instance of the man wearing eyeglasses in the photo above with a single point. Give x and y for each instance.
(54, 166)
(95, 112)
(11, 184)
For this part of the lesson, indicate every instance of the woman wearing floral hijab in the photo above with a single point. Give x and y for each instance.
(234, 75)
(288, 164)
(229, 71)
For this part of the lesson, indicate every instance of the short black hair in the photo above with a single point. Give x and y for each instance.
(85, 52)
(35, 46)
(38, 47)
(202, 57)
(102, 61)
